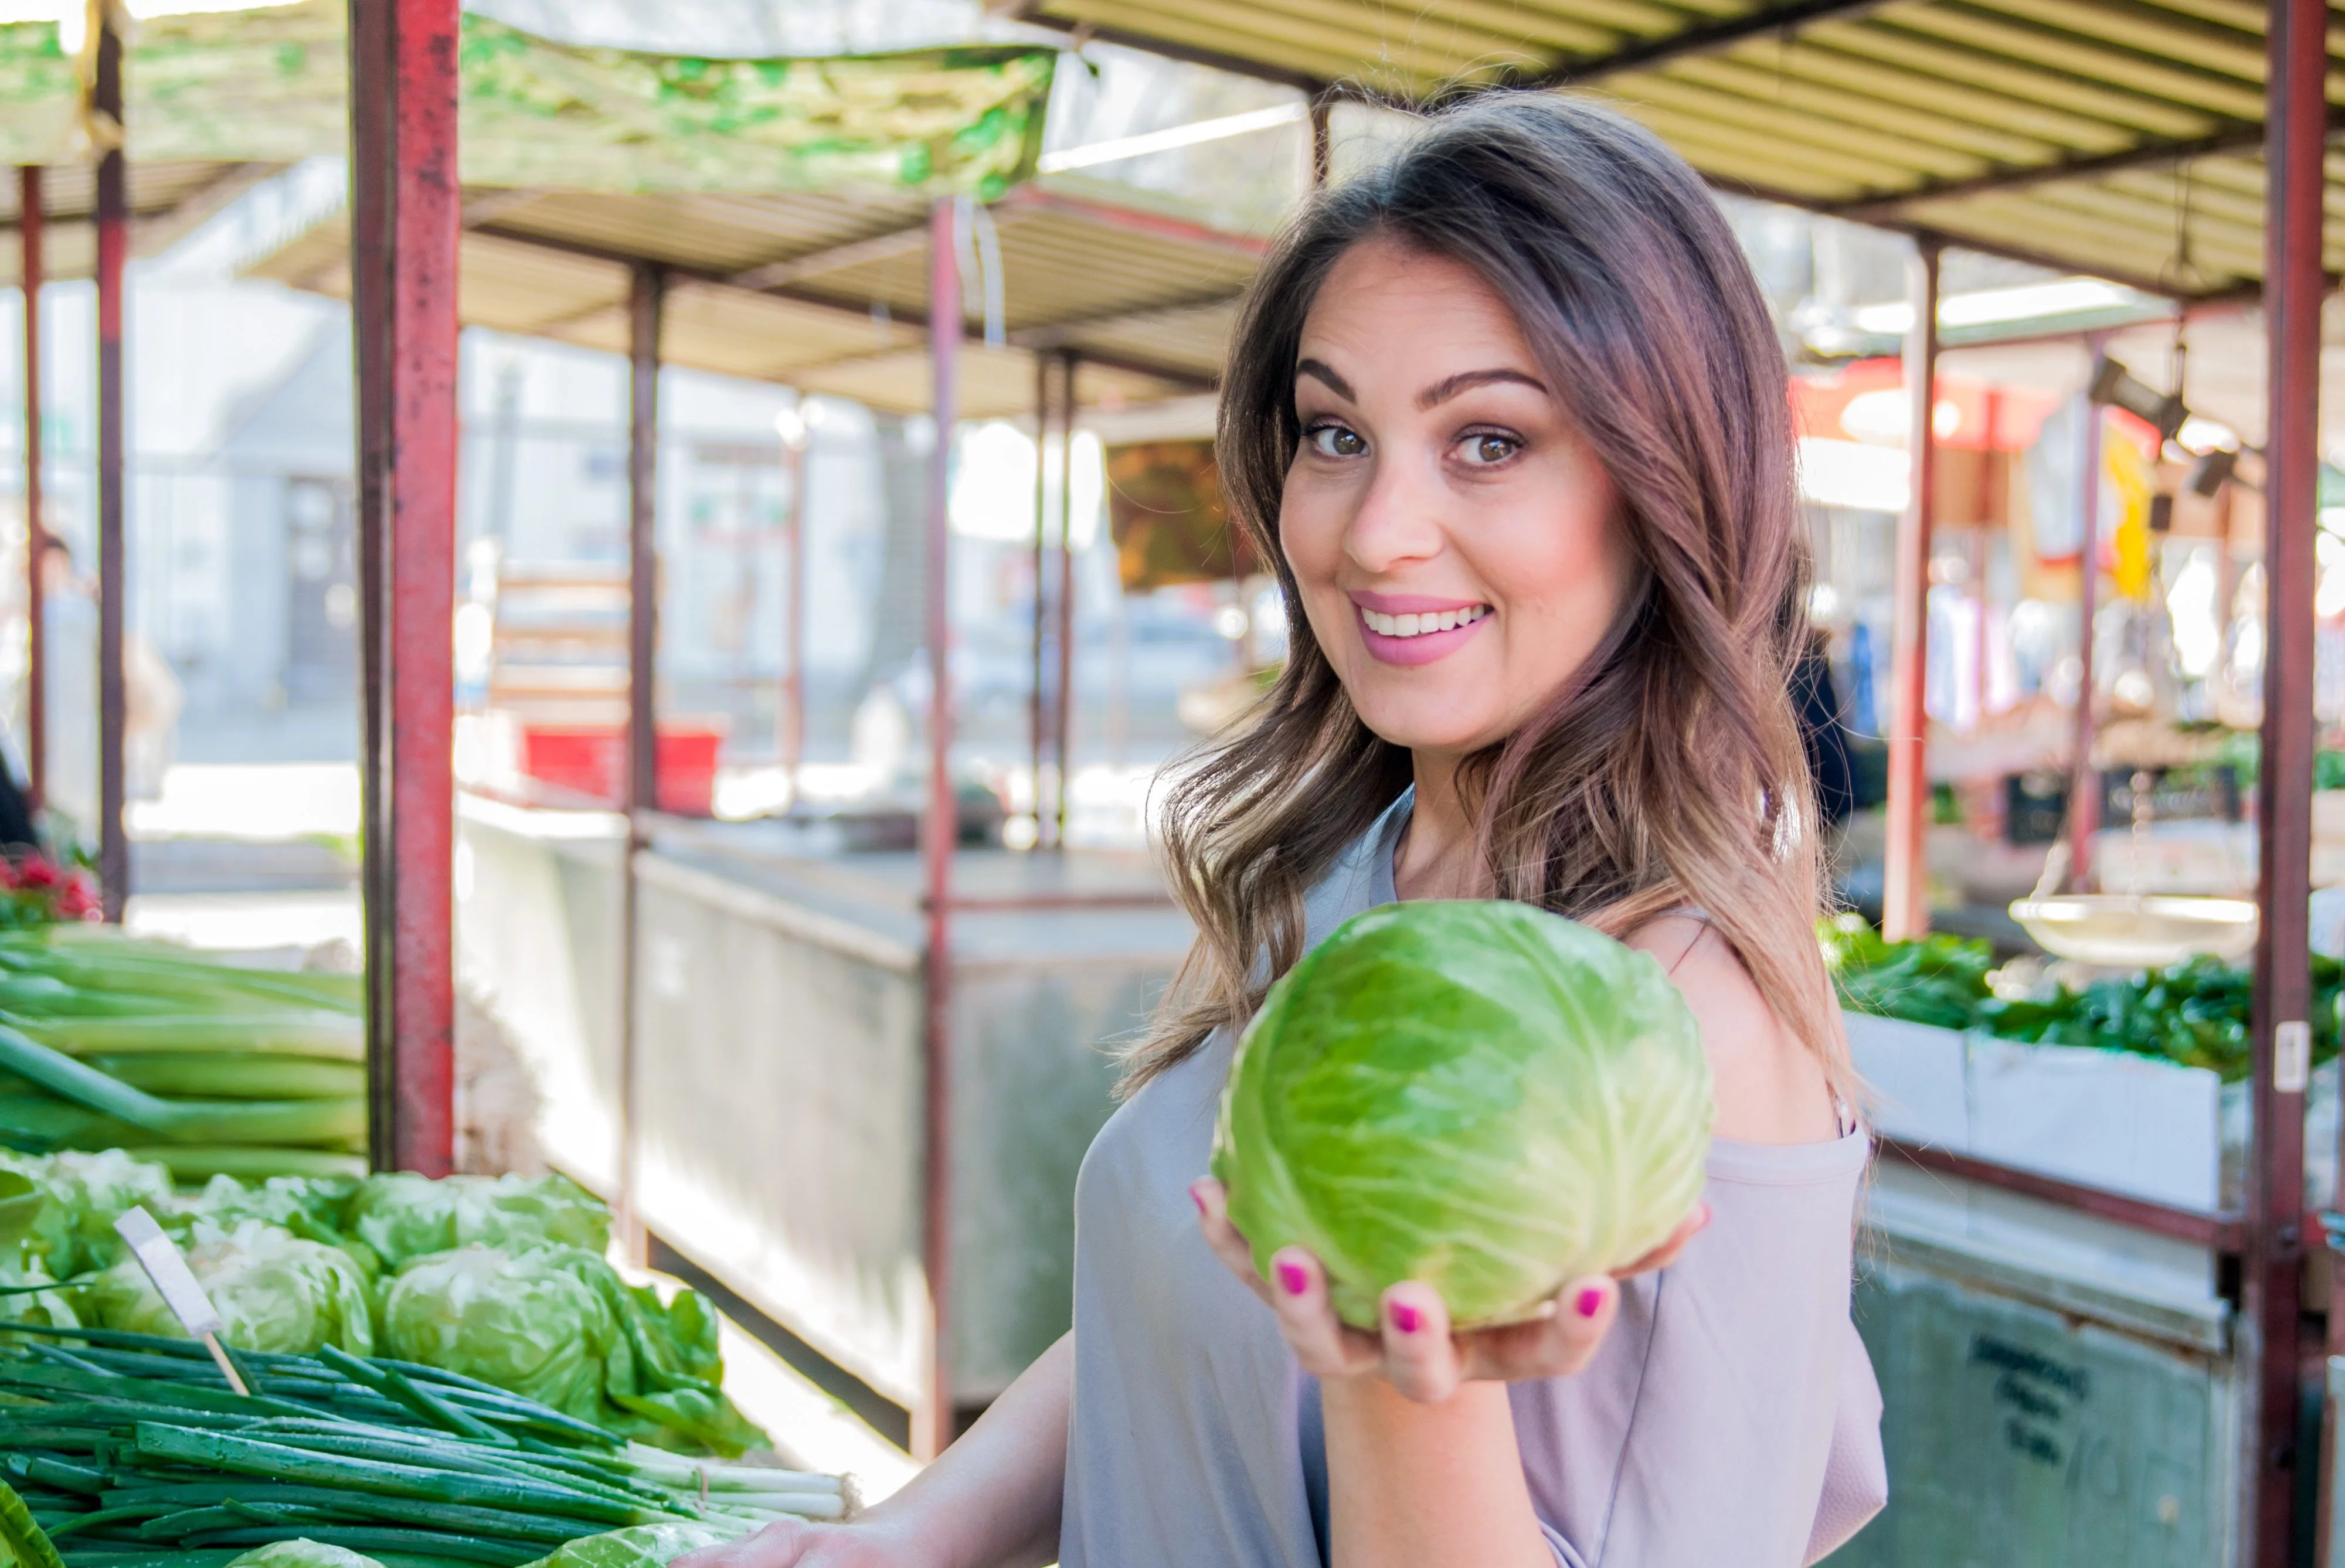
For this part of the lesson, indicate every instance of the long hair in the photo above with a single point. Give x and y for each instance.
(1669, 772)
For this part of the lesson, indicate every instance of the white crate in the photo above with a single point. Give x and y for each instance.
(2122, 1123)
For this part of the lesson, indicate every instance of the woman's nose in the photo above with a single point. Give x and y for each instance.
(1397, 520)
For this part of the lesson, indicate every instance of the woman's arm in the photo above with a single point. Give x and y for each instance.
(1413, 1485)
(991, 1500)
(1422, 1465)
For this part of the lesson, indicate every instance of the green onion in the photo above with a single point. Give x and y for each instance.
(236, 1074)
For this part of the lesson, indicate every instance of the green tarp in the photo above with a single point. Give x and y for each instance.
(268, 86)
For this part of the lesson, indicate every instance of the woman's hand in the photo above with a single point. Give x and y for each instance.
(1414, 1347)
(792, 1544)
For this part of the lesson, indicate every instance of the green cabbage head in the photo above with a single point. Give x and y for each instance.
(1483, 1096)
(275, 1292)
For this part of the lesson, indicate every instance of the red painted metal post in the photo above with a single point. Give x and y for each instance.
(1905, 870)
(2084, 781)
(30, 216)
(1064, 744)
(2295, 131)
(646, 297)
(405, 202)
(113, 253)
(932, 1423)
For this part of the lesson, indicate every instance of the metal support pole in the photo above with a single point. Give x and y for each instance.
(30, 216)
(2295, 131)
(794, 631)
(932, 1423)
(113, 253)
(1905, 871)
(1062, 746)
(405, 204)
(1037, 706)
(640, 790)
(2084, 779)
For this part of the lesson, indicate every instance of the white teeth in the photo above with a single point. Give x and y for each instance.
(1419, 624)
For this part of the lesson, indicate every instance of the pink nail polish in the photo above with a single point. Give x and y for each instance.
(1293, 1279)
(1590, 1302)
(1405, 1318)
(1198, 1199)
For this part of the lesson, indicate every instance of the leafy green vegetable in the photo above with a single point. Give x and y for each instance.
(641, 1545)
(2195, 1013)
(1480, 1096)
(302, 1554)
(1939, 980)
(404, 1215)
(276, 1292)
(558, 1325)
(26, 1541)
(85, 1194)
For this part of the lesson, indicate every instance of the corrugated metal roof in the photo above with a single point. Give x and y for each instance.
(2116, 136)
(166, 199)
(829, 293)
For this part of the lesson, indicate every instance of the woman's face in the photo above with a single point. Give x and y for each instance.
(1458, 547)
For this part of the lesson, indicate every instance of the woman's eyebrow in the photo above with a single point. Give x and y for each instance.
(1441, 391)
(1320, 371)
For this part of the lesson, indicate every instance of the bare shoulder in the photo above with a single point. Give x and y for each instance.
(1770, 1088)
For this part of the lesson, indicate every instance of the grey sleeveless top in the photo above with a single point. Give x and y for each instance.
(1729, 1416)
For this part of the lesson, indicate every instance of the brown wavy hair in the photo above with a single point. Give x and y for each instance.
(1670, 770)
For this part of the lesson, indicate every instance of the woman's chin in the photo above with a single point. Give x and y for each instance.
(1429, 725)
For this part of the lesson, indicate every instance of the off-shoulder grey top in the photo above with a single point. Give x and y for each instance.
(1730, 1417)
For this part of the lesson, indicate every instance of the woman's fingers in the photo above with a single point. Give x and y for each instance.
(1213, 1219)
(1420, 1357)
(1554, 1346)
(1296, 1290)
(1307, 1318)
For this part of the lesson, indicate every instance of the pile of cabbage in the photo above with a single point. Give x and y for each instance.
(1483, 1096)
(502, 1279)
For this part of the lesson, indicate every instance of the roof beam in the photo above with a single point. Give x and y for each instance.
(1923, 231)
(1187, 54)
(1640, 55)
(1707, 38)
(2244, 137)
(860, 310)
(866, 252)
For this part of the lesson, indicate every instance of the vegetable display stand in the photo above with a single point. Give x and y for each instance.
(779, 997)
(2111, 1120)
(2058, 1386)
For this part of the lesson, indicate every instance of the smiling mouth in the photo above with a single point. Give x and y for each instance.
(1421, 625)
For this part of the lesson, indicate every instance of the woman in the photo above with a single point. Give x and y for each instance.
(1511, 417)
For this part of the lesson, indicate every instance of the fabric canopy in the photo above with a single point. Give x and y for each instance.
(271, 86)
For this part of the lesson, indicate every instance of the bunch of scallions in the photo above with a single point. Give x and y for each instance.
(210, 1068)
(133, 1452)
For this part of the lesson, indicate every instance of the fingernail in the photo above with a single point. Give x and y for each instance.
(1405, 1318)
(1590, 1302)
(1198, 1199)
(1293, 1279)
(1703, 1221)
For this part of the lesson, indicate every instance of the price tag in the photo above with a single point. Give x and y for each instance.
(2291, 1056)
(174, 1280)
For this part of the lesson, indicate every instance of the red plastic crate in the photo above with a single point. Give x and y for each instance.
(591, 760)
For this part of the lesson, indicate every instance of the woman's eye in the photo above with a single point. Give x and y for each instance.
(1482, 451)
(1334, 442)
